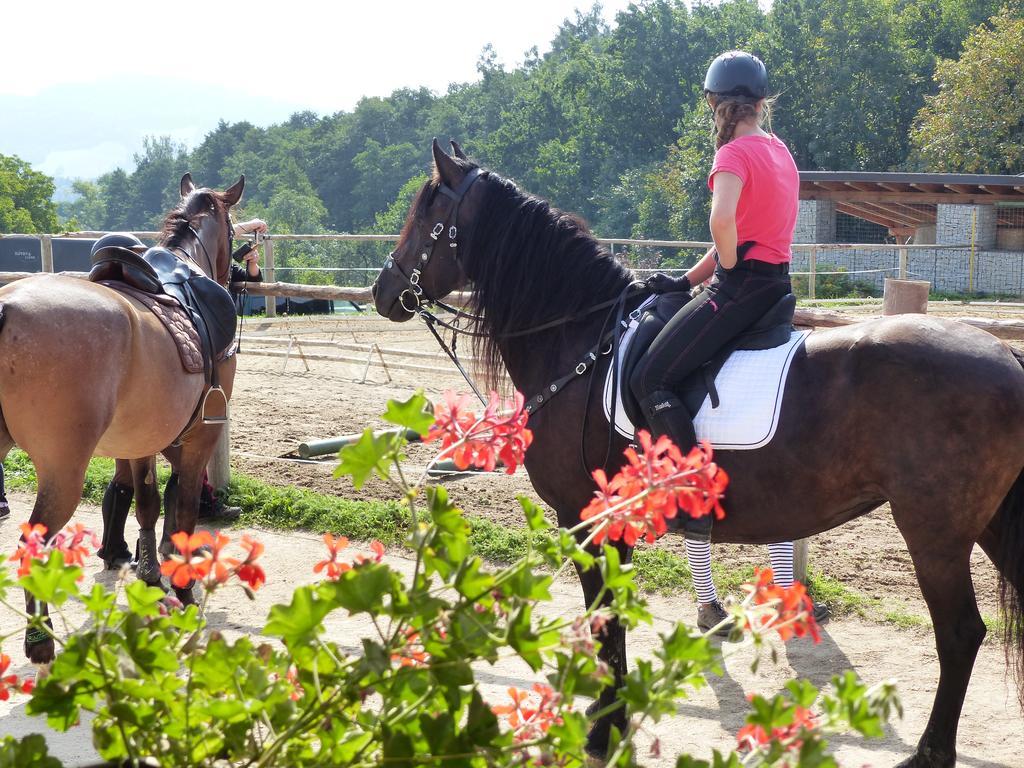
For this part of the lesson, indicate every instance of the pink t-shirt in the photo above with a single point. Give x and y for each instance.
(769, 201)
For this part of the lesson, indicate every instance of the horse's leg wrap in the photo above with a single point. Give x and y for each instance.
(39, 644)
(149, 566)
(170, 515)
(117, 504)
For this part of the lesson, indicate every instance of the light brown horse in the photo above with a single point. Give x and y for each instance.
(87, 371)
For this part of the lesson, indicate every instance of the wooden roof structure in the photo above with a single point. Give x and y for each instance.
(902, 202)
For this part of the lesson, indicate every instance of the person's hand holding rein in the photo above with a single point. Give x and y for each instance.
(249, 227)
(251, 259)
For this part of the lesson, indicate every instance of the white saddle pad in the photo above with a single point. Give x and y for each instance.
(750, 388)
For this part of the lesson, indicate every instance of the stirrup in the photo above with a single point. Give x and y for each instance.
(202, 408)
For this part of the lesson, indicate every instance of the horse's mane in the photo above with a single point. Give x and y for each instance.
(176, 223)
(529, 264)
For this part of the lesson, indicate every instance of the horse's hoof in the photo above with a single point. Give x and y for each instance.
(117, 563)
(185, 596)
(921, 760)
(40, 652)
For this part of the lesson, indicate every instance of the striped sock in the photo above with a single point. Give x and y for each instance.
(781, 556)
(698, 555)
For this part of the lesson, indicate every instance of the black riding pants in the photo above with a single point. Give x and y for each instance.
(735, 300)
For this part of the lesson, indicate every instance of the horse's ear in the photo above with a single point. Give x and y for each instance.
(233, 193)
(447, 170)
(187, 185)
(457, 150)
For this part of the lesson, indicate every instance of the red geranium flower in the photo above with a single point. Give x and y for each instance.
(531, 720)
(331, 567)
(189, 563)
(751, 737)
(32, 546)
(10, 683)
(499, 435)
(794, 609)
(652, 487)
(247, 569)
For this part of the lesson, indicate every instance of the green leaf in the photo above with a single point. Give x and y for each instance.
(535, 519)
(50, 580)
(360, 590)
(301, 620)
(30, 752)
(416, 413)
(144, 600)
(361, 459)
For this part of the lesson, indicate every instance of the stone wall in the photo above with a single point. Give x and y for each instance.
(955, 225)
(947, 269)
(816, 222)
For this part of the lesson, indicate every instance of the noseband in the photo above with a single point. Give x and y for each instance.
(413, 295)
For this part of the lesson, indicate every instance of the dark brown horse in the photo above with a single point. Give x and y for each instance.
(922, 413)
(88, 371)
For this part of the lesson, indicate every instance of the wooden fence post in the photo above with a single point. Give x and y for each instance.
(268, 274)
(903, 264)
(219, 466)
(813, 269)
(46, 243)
(800, 560)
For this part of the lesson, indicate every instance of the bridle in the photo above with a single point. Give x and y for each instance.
(421, 301)
(221, 278)
(414, 293)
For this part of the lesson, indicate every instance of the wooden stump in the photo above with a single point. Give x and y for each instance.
(905, 296)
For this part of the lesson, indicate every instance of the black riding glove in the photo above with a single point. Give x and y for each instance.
(659, 282)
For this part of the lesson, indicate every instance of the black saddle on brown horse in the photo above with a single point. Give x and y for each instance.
(160, 272)
(772, 330)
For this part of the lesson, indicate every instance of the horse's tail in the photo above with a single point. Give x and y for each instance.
(1010, 562)
(1008, 526)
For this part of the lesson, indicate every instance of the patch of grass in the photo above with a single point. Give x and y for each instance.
(904, 620)
(658, 570)
(841, 600)
(292, 508)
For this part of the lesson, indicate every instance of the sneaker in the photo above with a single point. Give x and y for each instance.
(821, 613)
(5, 510)
(710, 615)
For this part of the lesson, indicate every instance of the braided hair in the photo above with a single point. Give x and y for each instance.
(733, 109)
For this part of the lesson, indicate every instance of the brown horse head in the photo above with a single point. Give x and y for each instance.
(199, 227)
(425, 264)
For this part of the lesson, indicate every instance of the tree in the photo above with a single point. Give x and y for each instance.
(975, 123)
(25, 198)
(848, 89)
(154, 184)
(88, 210)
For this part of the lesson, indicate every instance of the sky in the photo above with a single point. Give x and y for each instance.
(84, 82)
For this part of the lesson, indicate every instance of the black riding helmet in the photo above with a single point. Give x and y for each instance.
(114, 242)
(737, 73)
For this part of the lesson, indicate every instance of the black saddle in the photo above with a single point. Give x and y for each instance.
(773, 330)
(158, 271)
